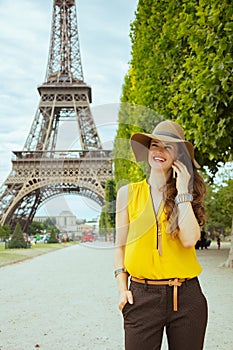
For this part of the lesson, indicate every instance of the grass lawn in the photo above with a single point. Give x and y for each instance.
(12, 256)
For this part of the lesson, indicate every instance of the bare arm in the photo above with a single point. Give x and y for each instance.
(189, 227)
(122, 225)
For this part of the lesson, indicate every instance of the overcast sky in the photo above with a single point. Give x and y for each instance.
(25, 29)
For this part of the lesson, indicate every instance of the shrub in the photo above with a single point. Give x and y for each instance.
(53, 238)
(17, 239)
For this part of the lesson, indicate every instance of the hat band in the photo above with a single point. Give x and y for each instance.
(167, 134)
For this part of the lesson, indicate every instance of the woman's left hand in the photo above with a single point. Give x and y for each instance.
(182, 178)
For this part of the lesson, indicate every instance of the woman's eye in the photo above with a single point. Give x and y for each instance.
(153, 145)
(169, 147)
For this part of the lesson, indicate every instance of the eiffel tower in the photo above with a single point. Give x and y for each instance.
(41, 171)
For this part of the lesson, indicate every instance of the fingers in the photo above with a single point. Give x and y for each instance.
(182, 176)
(179, 166)
(125, 297)
(121, 305)
(130, 297)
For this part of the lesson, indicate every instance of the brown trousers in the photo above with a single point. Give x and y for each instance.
(152, 312)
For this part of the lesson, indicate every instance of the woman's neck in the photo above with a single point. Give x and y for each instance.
(157, 180)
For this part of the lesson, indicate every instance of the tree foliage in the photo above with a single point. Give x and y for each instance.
(17, 240)
(219, 206)
(35, 228)
(103, 222)
(5, 232)
(132, 119)
(181, 68)
(53, 237)
(107, 217)
(48, 225)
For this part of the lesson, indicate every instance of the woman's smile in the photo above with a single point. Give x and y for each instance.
(159, 159)
(161, 155)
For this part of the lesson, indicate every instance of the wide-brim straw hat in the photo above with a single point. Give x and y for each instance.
(165, 131)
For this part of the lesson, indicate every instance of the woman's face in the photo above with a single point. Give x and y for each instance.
(161, 155)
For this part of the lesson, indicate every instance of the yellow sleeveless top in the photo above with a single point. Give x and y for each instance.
(142, 259)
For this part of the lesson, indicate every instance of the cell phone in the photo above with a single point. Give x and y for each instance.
(174, 174)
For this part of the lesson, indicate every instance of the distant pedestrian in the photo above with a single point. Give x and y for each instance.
(219, 242)
(203, 238)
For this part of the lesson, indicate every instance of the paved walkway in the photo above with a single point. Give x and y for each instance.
(67, 300)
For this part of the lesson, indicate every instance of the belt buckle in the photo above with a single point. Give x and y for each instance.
(171, 283)
(174, 283)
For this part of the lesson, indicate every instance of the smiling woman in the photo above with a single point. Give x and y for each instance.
(162, 154)
(157, 227)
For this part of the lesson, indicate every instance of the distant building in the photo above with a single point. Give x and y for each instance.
(66, 222)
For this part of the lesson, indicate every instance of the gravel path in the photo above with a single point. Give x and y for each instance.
(67, 300)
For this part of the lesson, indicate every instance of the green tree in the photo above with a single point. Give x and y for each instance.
(107, 217)
(5, 232)
(110, 198)
(102, 221)
(219, 205)
(225, 202)
(17, 240)
(35, 228)
(181, 67)
(53, 237)
(131, 119)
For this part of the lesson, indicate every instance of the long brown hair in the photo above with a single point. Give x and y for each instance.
(196, 186)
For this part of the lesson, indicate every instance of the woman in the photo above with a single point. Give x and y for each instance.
(157, 226)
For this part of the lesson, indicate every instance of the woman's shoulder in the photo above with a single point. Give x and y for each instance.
(125, 189)
(122, 198)
(122, 193)
(137, 185)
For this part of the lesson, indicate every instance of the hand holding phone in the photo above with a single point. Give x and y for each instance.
(182, 176)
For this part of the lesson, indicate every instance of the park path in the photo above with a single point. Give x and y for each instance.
(67, 300)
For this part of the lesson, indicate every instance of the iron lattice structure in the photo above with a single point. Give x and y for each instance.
(40, 171)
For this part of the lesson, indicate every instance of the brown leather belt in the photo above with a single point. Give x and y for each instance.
(174, 282)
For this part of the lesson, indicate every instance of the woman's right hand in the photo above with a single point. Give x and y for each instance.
(125, 297)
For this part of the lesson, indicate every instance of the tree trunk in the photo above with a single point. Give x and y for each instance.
(229, 262)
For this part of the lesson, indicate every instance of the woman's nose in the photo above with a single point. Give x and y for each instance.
(160, 148)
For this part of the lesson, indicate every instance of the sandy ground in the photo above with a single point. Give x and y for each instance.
(67, 300)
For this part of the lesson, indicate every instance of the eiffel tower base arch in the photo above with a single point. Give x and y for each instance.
(33, 181)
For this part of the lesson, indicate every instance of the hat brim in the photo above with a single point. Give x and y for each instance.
(140, 144)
